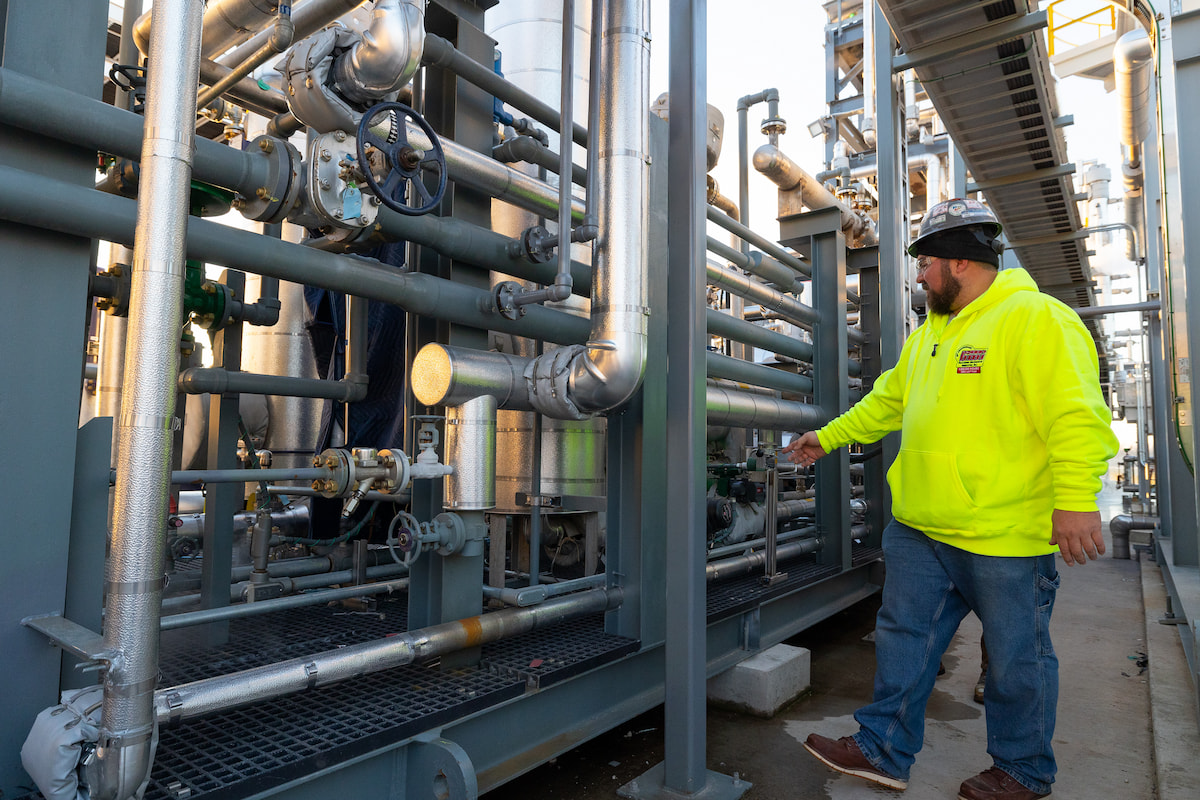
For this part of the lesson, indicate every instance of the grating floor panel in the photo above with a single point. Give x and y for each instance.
(742, 594)
(244, 751)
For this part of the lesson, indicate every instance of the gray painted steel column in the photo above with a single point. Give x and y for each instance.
(42, 408)
(895, 299)
(684, 729)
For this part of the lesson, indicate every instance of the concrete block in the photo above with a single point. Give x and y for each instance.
(763, 683)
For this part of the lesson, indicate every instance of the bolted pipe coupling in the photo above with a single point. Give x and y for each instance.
(547, 378)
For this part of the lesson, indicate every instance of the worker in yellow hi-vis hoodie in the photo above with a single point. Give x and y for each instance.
(1004, 436)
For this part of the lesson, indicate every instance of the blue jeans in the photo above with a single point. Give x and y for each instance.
(930, 588)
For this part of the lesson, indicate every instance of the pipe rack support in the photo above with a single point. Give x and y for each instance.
(297, 674)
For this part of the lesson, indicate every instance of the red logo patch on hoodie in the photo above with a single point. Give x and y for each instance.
(970, 360)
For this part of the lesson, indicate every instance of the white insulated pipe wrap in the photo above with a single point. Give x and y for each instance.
(144, 433)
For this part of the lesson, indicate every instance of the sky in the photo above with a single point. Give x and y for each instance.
(759, 44)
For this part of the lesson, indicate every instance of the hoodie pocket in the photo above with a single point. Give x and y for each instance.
(928, 492)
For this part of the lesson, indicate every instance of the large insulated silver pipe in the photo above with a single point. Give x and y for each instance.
(134, 579)
(387, 55)
(1133, 66)
(471, 450)
(752, 410)
(609, 370)
(226, 23)
(288, 677)
(309, 16)
(791, 177)
(868, 73)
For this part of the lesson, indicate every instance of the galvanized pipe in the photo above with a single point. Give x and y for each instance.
(316, 580)
(56, 205)
(791, 177)
(471, 450)
(740, 548)
(531, 151)
(441, 53)
(191, 618)
(744, 565)
(399, 498)
(1101, 311)
(134, 579)
(309, 16)
(749, 288)
(297, 674)
(751, 410)
(278, 42)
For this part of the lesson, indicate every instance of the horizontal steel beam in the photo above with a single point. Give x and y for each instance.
(1031, 176)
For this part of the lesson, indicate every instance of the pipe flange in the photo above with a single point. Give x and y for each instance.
(118, 304)
(505, 296)
(399, 472)
(451, 533)
(271, 202)
(341, 475)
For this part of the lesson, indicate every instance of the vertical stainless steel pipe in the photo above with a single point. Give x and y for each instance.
(145, 429)
(471, 450)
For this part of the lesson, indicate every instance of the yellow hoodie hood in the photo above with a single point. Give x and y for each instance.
(1001, 418)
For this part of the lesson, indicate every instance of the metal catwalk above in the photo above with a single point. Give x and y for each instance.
(985, 68)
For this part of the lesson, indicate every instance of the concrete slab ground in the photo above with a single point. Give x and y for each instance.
(1103, 742)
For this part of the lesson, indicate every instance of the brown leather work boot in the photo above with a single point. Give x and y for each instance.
(996, 784)
(844, 756)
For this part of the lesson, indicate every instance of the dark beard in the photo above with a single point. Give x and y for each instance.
(943, 302)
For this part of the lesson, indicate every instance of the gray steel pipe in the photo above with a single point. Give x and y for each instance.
(760, 264)
(744, 565)
(134, 574)
(191, 618)
(740, 548)
(471, 450)
(441, 53)
(470, 168)
(1101, 311)
(749, 288)
(316, 580)
(773, 249)
(216, 380)
(735, 369)
(279, 41)
(56, 205)
(245, 91)
(400, 498)
(182, 476)
(531, 151)
(751, 410)
(1122, 525)
(61, 114)
(295, 675)
(729, 327)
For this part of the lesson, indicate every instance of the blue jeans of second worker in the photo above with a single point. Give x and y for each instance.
(929, 589)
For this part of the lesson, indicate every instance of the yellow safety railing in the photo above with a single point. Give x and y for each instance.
(1076, 18)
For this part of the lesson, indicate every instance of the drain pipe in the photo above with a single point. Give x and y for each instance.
(134, 580)
(1122, 525)
(744, 105)
(297, 674)
(1133, 63)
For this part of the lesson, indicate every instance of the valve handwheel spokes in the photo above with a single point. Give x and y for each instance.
(402, 188)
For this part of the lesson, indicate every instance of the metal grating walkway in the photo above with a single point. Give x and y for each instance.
(238, 753)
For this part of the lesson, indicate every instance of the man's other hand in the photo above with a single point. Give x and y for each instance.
(805, 450)
(1077, 533)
